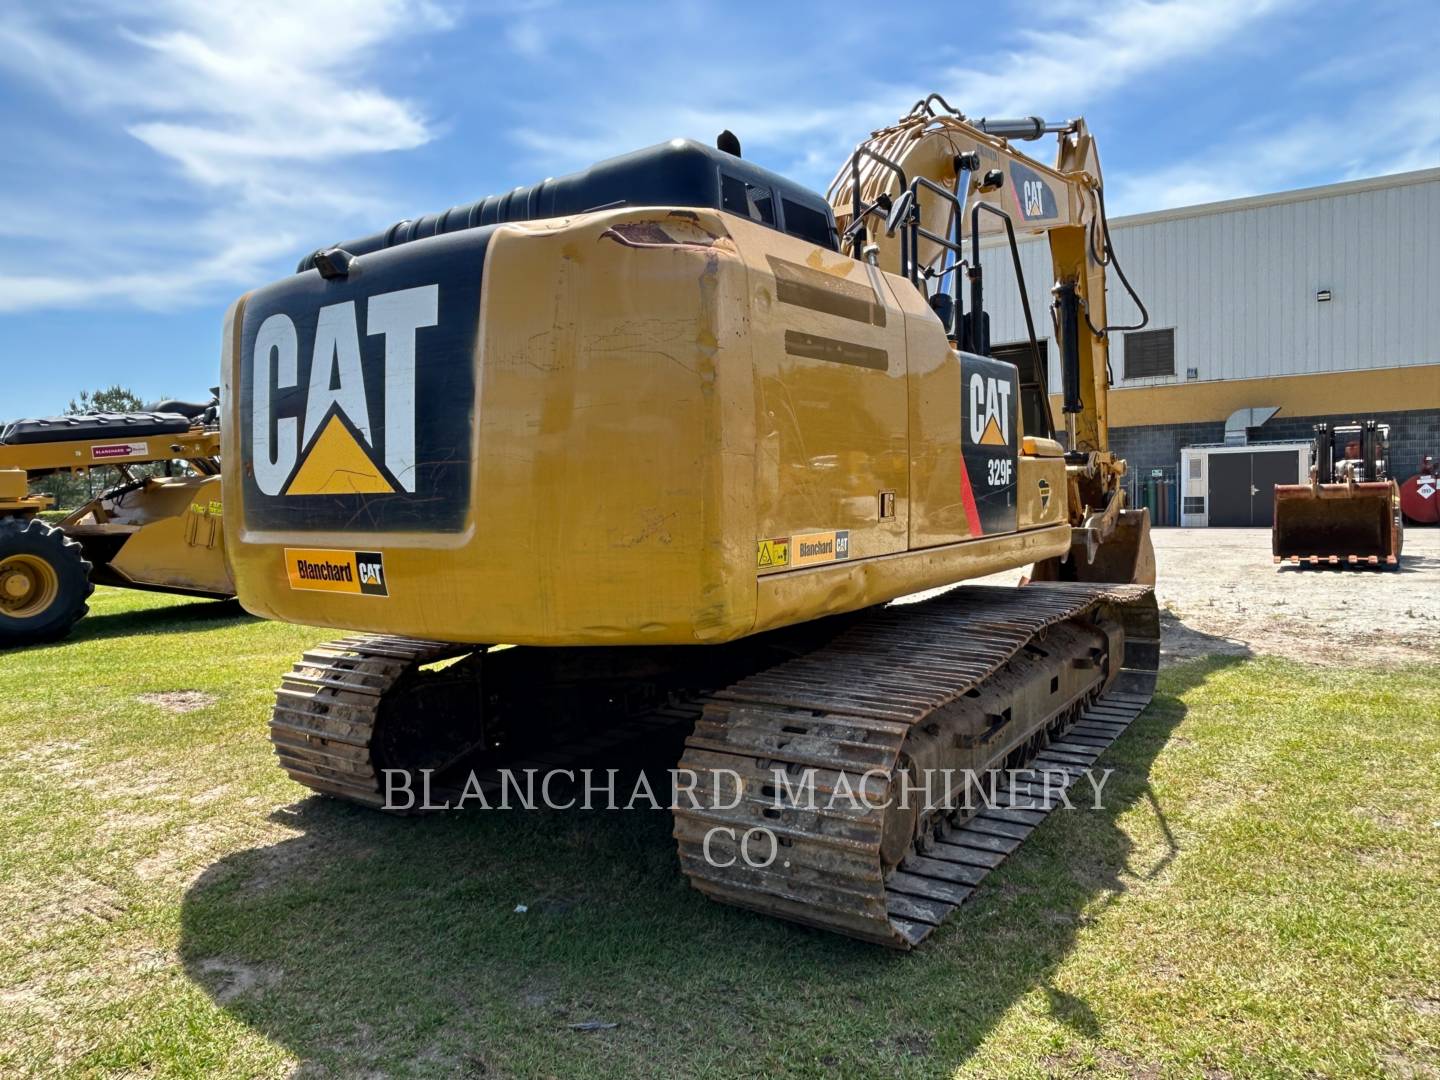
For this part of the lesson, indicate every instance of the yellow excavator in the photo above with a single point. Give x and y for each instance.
(664, 438)
(153, 530)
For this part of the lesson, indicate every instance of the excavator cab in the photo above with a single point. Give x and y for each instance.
(1350, 511)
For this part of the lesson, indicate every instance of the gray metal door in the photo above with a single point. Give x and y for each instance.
(1266, 470)
(1229, 489)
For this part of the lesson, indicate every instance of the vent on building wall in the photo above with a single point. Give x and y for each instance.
(1149, 353)
(1241, 420)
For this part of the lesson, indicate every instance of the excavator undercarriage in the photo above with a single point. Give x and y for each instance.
(890, 759)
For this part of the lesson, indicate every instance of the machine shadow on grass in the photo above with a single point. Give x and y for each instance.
(179, 618)
(367, 942)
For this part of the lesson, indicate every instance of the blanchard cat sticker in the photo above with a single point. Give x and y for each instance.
(359, 573)
(810, 549)
(120, 450)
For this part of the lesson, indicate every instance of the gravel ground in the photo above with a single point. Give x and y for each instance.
(1220, 592)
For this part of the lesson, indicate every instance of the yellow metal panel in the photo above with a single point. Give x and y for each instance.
(1322, 394)
(937, 509)
(179, 542)
(13, 484)
(829, 352)
(830, 590)
(1041, 491)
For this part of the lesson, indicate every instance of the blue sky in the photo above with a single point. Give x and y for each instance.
(159, 158)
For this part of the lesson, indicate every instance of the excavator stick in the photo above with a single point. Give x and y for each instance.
(1352, 523)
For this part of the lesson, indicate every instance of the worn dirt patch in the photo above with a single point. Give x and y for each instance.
(179, 701)
(230, 979)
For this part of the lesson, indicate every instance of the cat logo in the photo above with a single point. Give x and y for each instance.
(1044, 486)
(1033, 197)
(989, 411)
(335, 452)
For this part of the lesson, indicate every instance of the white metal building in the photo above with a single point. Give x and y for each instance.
(1312, 303)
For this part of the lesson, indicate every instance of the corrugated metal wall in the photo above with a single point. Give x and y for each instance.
(1239, 284)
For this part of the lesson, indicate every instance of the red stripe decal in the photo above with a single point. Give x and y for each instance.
(967, 497)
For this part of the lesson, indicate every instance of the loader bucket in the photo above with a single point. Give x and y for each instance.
(1127, 557)
(1336, 523)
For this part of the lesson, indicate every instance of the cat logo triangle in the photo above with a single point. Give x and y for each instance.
(992, 436)
(336, 464)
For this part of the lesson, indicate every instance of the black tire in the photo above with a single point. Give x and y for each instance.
(44, 582)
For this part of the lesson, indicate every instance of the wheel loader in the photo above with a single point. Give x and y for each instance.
(664, 438)
(1349, 512)
(160, 533)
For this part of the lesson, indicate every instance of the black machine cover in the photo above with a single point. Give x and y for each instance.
(680, 172)
(103, 425)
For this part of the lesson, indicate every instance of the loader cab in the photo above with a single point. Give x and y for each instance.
(1359, 452)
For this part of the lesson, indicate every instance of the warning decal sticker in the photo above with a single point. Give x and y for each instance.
(772, 553)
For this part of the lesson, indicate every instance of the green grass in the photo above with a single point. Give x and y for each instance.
(1261, 896)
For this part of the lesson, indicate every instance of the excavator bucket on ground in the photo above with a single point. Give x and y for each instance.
(1349, 513)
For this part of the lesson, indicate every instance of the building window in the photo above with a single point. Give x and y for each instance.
(1149, 353)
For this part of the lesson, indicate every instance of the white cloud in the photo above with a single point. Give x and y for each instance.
(1390, 130)
(1102, 48)
(250, 102)
(811, 124)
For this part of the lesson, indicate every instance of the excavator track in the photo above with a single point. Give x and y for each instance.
(1037, 680)
(328, 710)
(334, 725)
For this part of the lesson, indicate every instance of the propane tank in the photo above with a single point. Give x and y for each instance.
(1420, 495)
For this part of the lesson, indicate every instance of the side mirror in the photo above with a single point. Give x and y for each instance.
(899, 212)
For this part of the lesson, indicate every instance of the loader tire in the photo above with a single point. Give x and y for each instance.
(44, 582)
